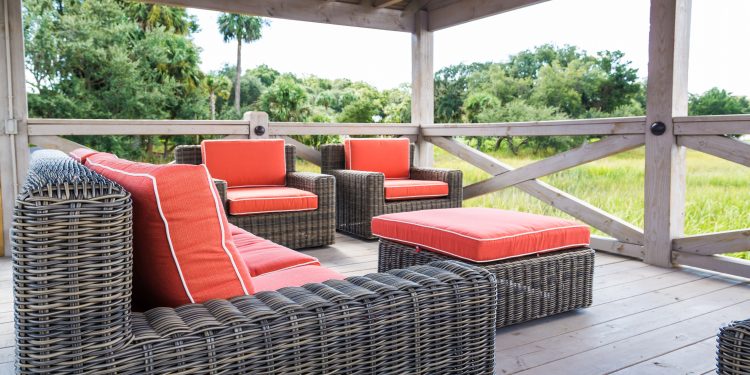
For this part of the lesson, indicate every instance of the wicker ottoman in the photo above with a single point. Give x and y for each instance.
(531, 283)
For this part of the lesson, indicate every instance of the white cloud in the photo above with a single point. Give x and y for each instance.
(719, 56)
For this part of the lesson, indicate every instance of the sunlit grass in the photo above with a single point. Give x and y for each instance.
(717, 190)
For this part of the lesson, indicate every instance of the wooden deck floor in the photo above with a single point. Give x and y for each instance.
(644, 320)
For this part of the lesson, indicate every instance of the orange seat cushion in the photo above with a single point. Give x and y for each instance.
(257, 200)
(262, 256)
(182, 245)
(481, 234)
(247, 162)
(414, 189)
(389, 156)
(297, 276)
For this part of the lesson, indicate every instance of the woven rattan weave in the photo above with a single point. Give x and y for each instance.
(72, 275)
(528, 288)
(295, 230)
(360, 195)
(733, 352)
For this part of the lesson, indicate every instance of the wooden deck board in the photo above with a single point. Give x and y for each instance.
(644, 320)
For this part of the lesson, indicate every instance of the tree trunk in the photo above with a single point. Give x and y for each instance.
(212, 97)
(237, 76)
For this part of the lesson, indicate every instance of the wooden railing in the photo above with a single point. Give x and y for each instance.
(706, 134)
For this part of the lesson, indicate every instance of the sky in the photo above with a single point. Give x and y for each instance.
(719, 54)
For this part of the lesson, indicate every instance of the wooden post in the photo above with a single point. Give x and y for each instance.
(14, 142)
(422, 86)
(669, 40)
(258, 122)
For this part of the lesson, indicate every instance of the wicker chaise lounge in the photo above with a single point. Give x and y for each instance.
(296, 229)
(73, 274)
(360, 195)
(733, 354)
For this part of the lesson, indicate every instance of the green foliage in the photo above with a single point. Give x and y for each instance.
(121, 59)
(717, 102)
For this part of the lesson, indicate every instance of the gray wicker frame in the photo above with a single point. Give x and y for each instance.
(360, 196)
(528, 288)
(72, 275)
(295, 230)
(733, 349)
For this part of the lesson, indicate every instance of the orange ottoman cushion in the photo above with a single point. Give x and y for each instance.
(262, 256)
(297, 276)
(389, 156)
(258, 200)
(414, 189)
(182, 245)
(81, 154)
(248, 162)
(481, 234)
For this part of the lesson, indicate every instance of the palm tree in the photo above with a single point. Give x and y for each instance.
(150, 16)
(243, 29)
(216, 85)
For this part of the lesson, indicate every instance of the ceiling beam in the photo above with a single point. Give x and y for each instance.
(469, 10)
(329, 12)
(413, 7)
(384, 3)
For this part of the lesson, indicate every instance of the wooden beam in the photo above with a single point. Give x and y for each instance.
(422, 87)
(720, 146)
(669, 39)
(613, 246)
(624, 125)
(413, 7)
(712, 125)
(330, 12)
(135, 127)
(304, 151)
(54, 142)
(463, 11)
(564, 160)
(714, 243)
(314, 128)
(716, 263)
(597, 218)
(384, 3)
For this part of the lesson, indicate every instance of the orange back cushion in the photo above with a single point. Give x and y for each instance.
(389, 156)
(81, 154)
(182, 244)
(246, 162)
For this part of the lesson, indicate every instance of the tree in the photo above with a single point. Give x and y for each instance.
(285, 100)
(151, 16)
(717, 102)
(216, 86)
(243, 29)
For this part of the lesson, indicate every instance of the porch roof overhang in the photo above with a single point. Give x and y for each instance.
(392, 15)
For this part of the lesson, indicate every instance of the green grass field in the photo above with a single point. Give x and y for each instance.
(717, 190)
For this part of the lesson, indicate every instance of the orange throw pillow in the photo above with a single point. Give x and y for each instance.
(246, 162)
(182, 244)
(389, 156)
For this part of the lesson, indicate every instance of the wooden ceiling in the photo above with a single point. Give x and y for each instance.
(393, 15)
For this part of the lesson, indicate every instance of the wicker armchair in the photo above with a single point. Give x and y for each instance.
(733, 354)
(72, 275)
(360, 195)
(295, 230)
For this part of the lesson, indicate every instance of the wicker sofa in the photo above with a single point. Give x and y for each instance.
(295, 230)
(72, 274)
(733, 354)
(360, 195)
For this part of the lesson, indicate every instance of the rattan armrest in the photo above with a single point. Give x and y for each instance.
(315, 183)
(221, 186)
(367, 186)
(453, 177)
